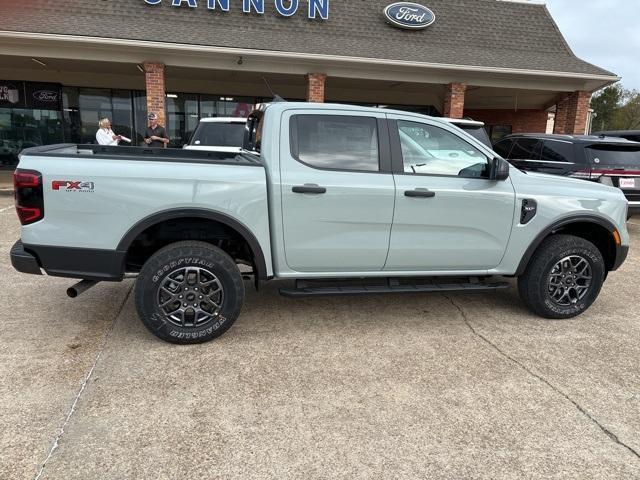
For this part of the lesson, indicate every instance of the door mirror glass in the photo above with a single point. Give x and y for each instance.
(499, 169)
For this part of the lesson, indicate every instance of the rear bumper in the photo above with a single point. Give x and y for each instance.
(24, 261)
(88, 264)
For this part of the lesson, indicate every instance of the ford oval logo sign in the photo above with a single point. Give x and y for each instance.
(409, 15)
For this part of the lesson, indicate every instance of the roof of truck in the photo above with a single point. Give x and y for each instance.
(223, 120)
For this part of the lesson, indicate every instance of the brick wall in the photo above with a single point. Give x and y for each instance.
(521, 121)
(315, 87)
(156, 94)
(454, 100)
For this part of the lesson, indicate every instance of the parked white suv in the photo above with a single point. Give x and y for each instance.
(218, 134)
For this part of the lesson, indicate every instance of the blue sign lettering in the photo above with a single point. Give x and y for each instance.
(284, 11)
(191, 3)
(224, 4)
(321, 7)
(257, 4)
(285, 8)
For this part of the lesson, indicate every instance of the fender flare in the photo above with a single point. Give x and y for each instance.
(602, 222)
(176, 213)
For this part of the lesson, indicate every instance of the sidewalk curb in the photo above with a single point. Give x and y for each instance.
(6, 192)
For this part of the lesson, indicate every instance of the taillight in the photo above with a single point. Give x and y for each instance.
(28, 195)
(586, 174)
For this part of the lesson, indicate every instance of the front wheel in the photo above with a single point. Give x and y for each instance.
(563, 278)
(189, 292)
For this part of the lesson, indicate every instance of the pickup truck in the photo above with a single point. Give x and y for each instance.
(336, 199)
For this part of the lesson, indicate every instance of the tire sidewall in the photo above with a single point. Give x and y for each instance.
(598, 272)
(166, 262)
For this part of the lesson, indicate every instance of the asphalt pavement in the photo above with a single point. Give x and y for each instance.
(456, 386)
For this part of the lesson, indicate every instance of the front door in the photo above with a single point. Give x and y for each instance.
(337, 190)
(448, 215)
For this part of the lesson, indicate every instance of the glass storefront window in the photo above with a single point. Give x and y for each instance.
(182, 114)
(24, 128)
(225, 106)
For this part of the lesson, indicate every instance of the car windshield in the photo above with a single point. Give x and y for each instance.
(614, 155)
(218, 134)
(478, 132)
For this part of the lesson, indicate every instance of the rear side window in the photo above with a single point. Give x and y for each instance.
(336, 142)
(526, 149)
(553, 151)
(503, 148)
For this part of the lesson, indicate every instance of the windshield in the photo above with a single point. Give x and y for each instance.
(478, 132)
(215, 134)
(614, 155)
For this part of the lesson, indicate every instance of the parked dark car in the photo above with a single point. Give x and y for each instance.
(607, 160)
(633, 135)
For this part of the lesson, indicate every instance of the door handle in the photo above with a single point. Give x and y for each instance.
(419, 193)
(309, 188)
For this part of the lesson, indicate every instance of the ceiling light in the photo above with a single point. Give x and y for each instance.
(140, 68)
(39, 62)
(172, 95)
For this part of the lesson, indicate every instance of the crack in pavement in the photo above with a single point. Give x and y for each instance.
(581, 409)
(56, 440)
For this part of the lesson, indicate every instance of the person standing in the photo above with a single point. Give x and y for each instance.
(105, 136)
(156, 135)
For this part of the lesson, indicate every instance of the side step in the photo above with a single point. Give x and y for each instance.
(316, 288)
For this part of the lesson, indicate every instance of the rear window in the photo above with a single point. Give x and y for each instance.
(212, 134)
(477, 132)
(613, 155)
(335, 142)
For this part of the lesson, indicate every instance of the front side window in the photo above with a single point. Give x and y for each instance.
(431, 150)
(335, 142)
(503, 148)
(526, 149)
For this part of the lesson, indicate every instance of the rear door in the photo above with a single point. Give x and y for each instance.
(448, 215)
(337, 190)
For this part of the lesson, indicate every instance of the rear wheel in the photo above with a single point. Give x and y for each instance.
(189, 292)
(563, 278)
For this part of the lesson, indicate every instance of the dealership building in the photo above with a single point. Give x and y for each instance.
(65, 64)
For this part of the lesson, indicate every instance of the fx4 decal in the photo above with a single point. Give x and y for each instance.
(72, 186)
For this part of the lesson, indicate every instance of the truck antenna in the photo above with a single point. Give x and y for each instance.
(276, 98)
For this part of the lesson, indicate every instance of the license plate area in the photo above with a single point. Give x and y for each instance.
(626, 183)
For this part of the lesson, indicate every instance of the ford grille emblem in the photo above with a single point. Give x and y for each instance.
(409, 15)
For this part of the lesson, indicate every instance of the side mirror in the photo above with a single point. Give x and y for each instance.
(499, 169)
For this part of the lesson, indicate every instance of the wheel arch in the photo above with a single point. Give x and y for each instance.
(205, 214)
(595, 229)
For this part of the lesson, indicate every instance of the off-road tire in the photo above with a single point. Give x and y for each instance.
(535, 285)
(201, 260)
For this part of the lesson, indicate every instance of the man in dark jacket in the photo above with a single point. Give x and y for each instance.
(156, 135)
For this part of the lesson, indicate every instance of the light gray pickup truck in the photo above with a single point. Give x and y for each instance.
(338, 199)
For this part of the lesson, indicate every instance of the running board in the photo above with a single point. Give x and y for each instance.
(316, 288)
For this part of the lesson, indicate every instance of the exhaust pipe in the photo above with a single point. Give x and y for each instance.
(81, 287)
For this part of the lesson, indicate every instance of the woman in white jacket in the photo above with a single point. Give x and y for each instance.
(105, 135)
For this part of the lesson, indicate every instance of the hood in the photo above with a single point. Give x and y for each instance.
(561, 186)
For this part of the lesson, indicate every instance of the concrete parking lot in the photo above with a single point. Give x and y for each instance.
(410, 386)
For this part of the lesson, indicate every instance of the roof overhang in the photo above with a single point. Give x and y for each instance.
(103, 49)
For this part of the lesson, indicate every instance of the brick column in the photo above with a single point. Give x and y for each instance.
(315, 87)
(560, 123)
(156, 94)
(454, 100)
(577, 112)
